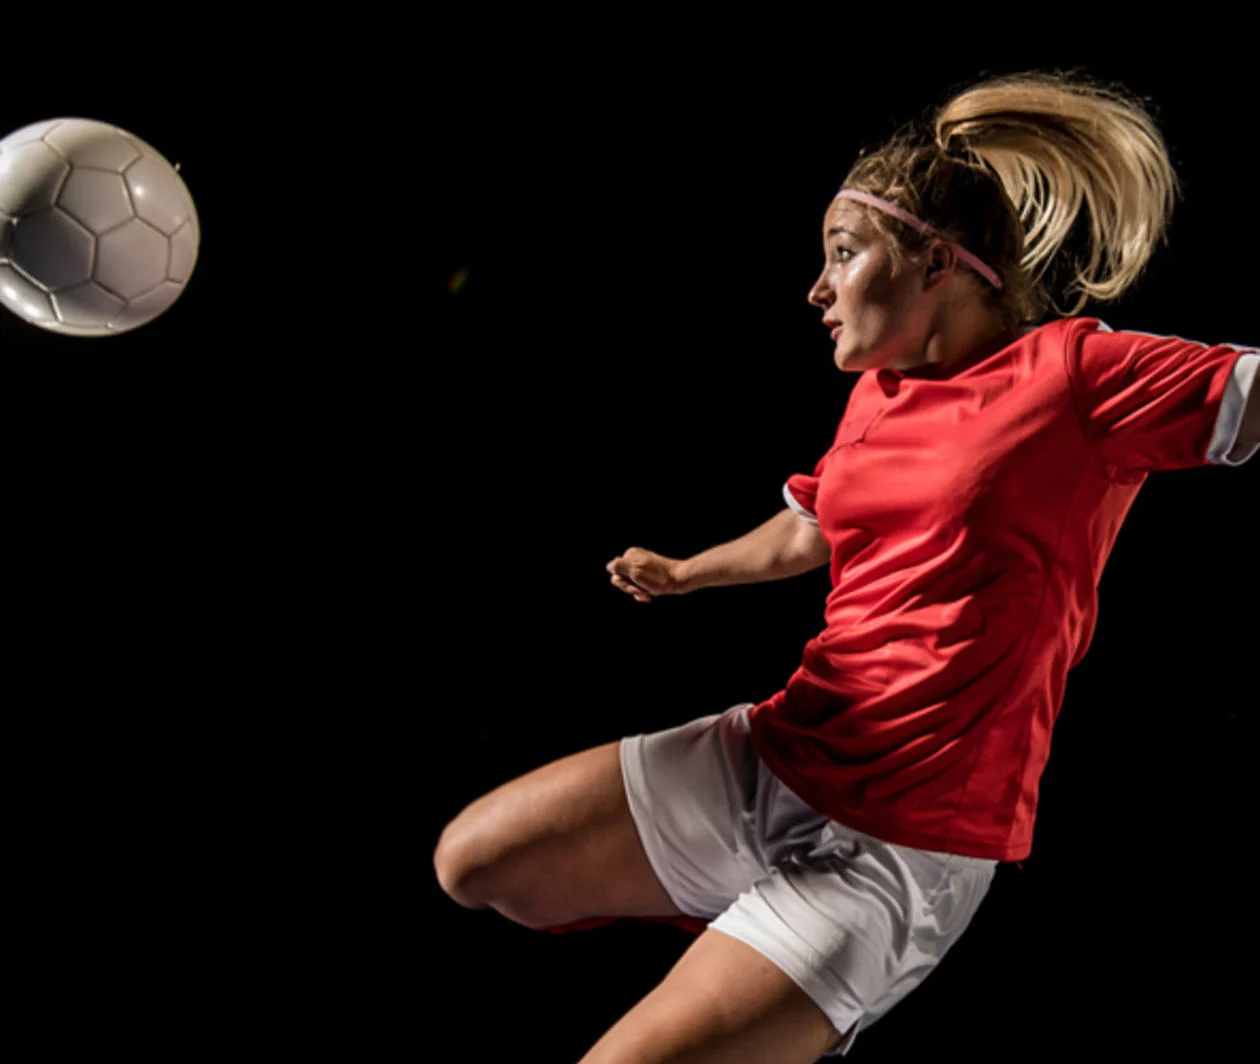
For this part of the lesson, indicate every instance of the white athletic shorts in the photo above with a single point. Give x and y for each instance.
(857, 923)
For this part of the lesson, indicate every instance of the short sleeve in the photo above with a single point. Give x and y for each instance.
(800, 492)
(1148, 402)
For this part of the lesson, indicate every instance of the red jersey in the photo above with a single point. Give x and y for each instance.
(970, 511)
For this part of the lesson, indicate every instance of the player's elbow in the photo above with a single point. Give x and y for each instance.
(810, 549)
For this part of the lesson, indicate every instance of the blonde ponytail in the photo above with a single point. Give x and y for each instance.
(1057, 181)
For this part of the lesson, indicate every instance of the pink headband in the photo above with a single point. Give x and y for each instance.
(923, 227)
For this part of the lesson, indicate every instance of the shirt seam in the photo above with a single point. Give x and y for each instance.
(1026, 738)
(1080, 422)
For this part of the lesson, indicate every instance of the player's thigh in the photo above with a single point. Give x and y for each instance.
(554, 845)
(722, 1002)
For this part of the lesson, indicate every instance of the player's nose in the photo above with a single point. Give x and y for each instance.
(820, 294)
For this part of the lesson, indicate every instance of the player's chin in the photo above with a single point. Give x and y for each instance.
(846, 361)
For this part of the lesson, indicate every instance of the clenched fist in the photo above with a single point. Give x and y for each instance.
(644, 575)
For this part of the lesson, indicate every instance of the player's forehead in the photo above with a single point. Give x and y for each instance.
(846, 215)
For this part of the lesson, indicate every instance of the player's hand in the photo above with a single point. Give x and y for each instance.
(644, 574)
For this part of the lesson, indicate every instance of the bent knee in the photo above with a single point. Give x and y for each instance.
(475, 879)
(457, 867)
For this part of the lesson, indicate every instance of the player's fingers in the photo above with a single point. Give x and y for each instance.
(630, 588)
(641, 580)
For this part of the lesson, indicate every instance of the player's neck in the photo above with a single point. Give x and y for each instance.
(961, 333)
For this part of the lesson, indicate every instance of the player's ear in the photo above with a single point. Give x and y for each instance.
(938, 260)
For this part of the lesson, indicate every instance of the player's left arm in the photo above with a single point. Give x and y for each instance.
(1148, 402)
(1249, 433)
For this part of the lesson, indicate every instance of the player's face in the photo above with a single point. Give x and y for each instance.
(876, 320)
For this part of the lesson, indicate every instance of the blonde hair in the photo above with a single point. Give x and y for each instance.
(1053, 179)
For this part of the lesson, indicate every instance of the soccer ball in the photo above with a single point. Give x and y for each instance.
(98, 233)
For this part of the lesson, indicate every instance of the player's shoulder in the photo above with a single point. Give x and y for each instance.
(1070, 325)
(1066, 341)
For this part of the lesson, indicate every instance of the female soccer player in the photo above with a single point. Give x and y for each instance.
(831, 843)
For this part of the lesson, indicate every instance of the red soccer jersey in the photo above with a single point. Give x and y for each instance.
(970, 511)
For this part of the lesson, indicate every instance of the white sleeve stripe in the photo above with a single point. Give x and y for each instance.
(1242, 380)
(800, 510)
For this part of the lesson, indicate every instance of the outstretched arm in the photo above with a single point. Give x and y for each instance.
(1148, 402)
(783, 546)
(1249, 433)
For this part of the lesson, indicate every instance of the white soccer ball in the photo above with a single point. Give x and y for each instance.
(98, 233)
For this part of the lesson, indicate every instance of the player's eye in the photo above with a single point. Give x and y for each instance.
(839, 251)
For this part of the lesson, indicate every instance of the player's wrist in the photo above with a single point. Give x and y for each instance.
(684, 576)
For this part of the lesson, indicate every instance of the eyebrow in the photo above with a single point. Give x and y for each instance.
(840, 229)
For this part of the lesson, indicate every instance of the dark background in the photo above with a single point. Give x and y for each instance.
(320, 553)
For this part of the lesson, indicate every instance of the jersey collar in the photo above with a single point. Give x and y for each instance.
(933, 371)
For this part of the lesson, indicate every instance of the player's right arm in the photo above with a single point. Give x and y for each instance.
(784, 546)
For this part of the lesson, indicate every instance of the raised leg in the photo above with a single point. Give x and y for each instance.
(554, 846)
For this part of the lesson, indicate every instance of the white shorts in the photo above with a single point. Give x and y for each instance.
(857, 923)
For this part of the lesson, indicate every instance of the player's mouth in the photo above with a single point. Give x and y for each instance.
(836, 331)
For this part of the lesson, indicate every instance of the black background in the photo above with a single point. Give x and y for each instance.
(320, 553)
